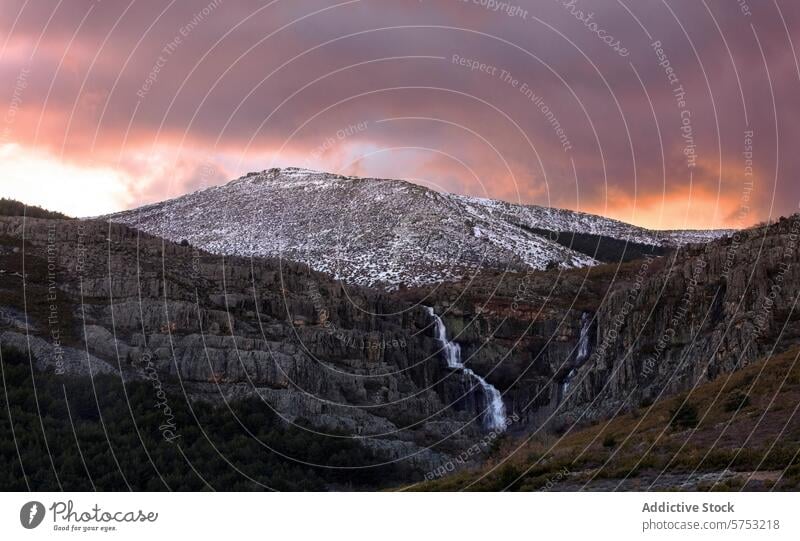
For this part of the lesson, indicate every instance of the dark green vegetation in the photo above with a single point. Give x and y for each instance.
(33, 303)
(738, 432)
(10, 207)
(605, 249)
(108, 451)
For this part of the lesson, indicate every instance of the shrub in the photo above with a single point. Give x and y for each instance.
(685, 416)
(609, 441)
(736, 401)
(508, 478)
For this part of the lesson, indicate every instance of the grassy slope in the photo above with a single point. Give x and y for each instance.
(737, 432)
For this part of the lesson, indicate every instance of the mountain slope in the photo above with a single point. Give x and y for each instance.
(740, 432)
(373, 231)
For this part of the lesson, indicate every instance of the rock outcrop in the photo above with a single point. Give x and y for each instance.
(655, 326)
(709, 310)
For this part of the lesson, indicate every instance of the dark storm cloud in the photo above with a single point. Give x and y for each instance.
(573, 105)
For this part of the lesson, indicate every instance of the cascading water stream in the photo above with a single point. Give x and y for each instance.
(583, 351)
(495, 415)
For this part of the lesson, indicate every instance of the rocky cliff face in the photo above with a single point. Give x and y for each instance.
(354, 362)
(709, 310)
(522, 332)
(654, 327)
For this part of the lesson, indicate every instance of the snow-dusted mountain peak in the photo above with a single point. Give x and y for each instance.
(380, 231)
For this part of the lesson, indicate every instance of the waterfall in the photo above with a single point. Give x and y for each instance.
(495, 414)
(583, 351)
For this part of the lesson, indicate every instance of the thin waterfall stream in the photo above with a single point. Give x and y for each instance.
(495, 414)
(583, 351)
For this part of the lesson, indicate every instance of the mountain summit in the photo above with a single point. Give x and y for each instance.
(379, 232)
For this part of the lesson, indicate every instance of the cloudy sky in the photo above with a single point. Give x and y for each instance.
(664, 113)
